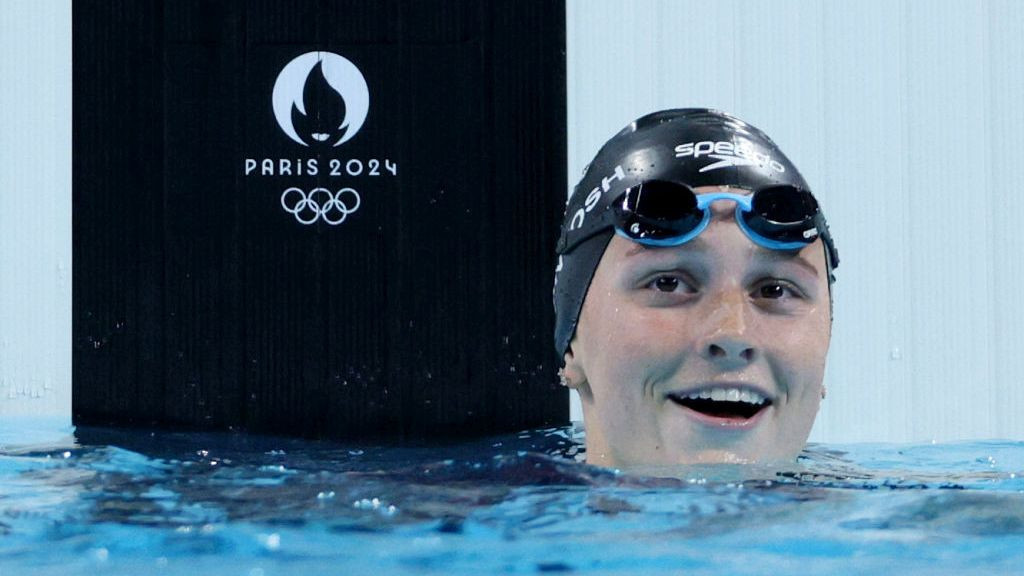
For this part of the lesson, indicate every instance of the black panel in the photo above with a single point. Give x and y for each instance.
(199, 301)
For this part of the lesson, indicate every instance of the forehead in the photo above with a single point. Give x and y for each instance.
(722, 240)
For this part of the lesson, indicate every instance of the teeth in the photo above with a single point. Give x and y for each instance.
(728, 395)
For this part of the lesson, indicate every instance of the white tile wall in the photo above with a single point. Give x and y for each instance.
(35, 208)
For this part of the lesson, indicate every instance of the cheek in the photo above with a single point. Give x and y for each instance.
(801, 349)
(622, 339)
(650, 347)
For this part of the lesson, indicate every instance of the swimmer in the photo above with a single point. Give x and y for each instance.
(693, 296)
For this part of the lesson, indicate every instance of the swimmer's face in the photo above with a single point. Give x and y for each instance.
(718, 316)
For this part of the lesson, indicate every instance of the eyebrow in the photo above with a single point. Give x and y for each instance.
(699, 245)
(786, 256)
(696, 245)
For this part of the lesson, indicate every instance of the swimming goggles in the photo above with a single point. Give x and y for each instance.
(663, 213)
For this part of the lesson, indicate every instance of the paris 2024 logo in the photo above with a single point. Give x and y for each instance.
(320, 101)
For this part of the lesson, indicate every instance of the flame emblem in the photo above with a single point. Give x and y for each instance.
(320, 99)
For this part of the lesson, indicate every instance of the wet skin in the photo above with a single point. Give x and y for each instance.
(720, 312)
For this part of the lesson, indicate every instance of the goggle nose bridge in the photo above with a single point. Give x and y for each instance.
(744, 202)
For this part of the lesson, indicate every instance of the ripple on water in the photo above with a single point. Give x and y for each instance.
(139, 501)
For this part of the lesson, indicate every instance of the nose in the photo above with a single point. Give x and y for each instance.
(729, 343)
(730, 350)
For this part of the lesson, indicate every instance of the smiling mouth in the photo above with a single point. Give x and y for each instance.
(727, 403)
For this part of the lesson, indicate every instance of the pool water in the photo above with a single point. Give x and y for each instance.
(111, 501)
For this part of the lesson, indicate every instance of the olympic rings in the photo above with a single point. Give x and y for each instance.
(319, 203)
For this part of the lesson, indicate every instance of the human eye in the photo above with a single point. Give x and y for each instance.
(671, 283)
(666, 283)
(776, 291)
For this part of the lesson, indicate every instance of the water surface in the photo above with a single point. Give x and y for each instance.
(109, 501)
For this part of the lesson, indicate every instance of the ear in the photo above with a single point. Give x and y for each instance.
(573, 375)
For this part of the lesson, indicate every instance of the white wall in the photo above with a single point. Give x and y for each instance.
(907, 119)
(35, 210)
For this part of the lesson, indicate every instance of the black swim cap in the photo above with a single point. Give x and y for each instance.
(692, 146)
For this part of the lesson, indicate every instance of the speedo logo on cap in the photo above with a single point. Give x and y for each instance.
(739, 153)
